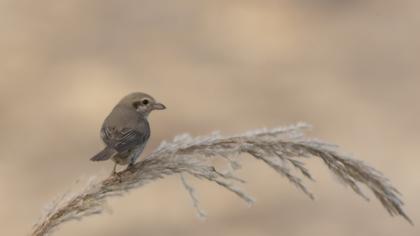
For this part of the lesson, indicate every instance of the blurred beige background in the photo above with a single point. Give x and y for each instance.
(350, 68)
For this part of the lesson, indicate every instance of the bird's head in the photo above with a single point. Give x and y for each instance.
(141, 102)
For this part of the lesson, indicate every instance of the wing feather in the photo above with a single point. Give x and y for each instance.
(124, 139)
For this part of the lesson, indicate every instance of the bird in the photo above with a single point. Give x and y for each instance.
(126, 130)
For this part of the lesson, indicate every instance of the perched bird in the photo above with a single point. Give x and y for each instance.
(126, 130)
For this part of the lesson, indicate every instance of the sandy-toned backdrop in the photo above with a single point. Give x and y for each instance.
(350, 68)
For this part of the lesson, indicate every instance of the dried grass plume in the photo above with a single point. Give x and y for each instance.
(282, 149)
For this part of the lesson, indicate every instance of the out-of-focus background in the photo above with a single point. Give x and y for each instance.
(350, 68)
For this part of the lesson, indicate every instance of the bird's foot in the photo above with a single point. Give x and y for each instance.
(114, 170)
(131, 168)
(117, 175)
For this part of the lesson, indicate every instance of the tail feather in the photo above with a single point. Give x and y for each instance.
(104, 154)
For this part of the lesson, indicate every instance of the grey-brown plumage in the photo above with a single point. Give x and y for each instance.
(126, 130)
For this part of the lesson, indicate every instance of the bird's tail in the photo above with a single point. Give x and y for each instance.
(104, 154)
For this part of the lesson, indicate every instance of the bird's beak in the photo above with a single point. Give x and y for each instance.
(159, 106)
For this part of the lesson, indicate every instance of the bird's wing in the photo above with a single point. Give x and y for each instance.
(123, 139)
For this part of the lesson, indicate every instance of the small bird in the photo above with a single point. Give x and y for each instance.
(126, 130)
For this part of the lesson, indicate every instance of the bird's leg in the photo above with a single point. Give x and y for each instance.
(116, 174)
(114, 170)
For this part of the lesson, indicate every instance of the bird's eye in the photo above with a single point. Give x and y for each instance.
(145, 102)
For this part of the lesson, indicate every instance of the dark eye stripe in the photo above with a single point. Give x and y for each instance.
(136, 104)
